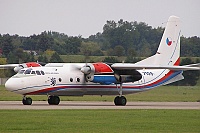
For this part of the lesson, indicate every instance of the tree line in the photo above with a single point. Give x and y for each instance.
(121, 38)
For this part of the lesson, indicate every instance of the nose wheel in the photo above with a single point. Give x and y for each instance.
(27, 100)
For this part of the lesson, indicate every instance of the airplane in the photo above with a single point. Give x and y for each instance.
(119, 79)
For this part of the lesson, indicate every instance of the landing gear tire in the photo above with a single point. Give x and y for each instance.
(120, 101)
(53, 100)
(27, 101)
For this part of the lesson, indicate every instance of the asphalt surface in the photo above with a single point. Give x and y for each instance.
(38, 105)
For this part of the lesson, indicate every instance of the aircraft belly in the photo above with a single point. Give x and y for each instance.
(90, 91)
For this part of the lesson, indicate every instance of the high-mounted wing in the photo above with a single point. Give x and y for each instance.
(8, 66)
(138, 67)
(18, 67)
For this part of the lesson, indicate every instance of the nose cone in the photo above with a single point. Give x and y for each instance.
(10, 84)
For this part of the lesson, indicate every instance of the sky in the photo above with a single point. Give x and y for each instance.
(87, 17)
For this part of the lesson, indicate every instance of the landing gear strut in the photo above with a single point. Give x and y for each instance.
(27, 100)
(120, 100)
(53, 100)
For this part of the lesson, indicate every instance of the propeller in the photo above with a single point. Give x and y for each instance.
(18, 68)
(86, 70)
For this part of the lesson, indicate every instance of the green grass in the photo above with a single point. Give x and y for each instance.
(101, 121)
(160, 94)
(81, 58)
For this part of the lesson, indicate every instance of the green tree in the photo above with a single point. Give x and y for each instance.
(190, 77)
(90, 48)
(55, 58)
(132, 59)
(6, 44)
(119, 50)
(42, 58)
(44, 42)
(110, 59)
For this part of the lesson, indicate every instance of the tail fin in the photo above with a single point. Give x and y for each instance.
(168, 52)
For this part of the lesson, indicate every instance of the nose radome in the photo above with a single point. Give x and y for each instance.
(10, 84)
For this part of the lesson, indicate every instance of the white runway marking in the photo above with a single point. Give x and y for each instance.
(38, 105)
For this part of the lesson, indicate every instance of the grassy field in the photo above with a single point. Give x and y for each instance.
(161, 94)
(81, 58)
(101, 121)
(90, 121)
(86, 121)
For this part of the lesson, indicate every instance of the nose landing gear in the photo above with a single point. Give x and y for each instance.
(27, 100)
(52, 100)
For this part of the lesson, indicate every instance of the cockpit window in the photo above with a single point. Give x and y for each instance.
(38, 73)
(28, 71)
(42, 72)
(32, 72)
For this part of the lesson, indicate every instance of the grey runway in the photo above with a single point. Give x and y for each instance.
(43, 105)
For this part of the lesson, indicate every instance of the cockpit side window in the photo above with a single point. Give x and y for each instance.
(28, 71)
(32, 72)
(42, 72)
(38, 72)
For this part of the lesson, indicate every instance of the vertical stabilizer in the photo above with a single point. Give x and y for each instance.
(168, 52)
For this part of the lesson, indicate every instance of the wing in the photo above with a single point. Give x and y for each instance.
(138, 67)
(8, 66)
(194, 65)
(17, 67)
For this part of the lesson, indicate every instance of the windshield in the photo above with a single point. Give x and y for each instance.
(31, 72)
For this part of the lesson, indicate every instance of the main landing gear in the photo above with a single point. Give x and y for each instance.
(120, 100)
(52, 100)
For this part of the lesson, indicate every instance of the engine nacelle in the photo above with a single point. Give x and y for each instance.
(92, 69)
(127, 78)
(102, 73)
(124, 76)
(104, 79)
(26, 65)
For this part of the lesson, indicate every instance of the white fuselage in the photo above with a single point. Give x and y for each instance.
(65, 80)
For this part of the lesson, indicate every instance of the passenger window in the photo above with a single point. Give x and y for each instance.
(38, 73)
(78, 79)
(33, 72)
(71, 79)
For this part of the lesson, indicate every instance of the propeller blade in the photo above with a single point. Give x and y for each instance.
(86, 70)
